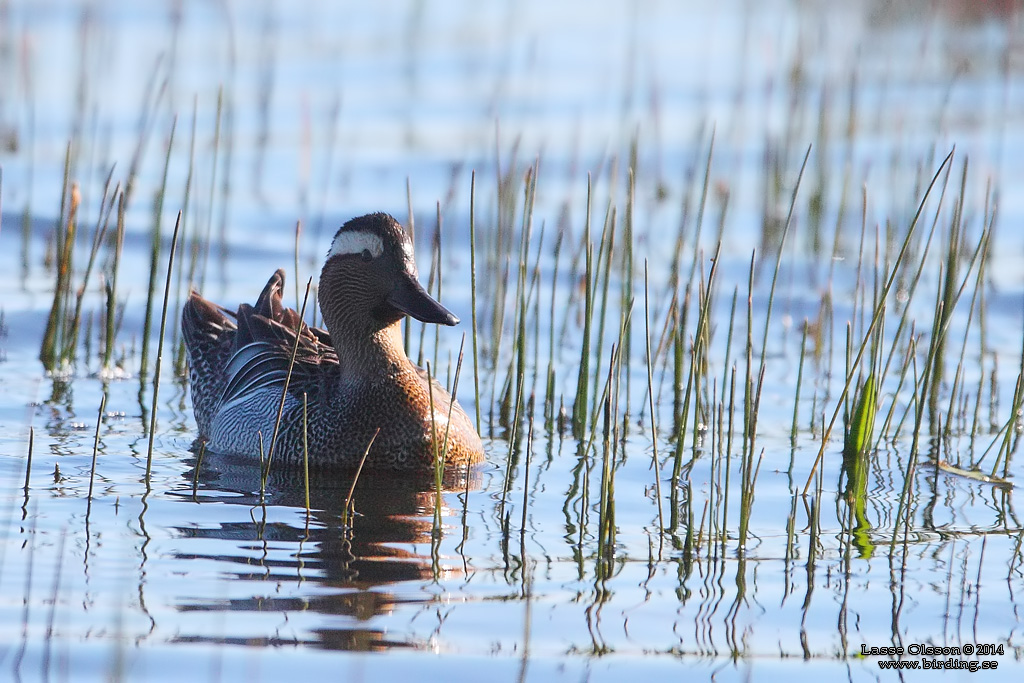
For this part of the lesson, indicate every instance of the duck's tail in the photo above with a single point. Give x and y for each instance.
(209, 332)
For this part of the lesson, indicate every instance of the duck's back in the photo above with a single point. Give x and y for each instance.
(239, 359)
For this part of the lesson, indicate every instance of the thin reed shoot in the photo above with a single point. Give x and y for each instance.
(160, 353)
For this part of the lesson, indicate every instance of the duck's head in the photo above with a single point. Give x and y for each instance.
(369, 280)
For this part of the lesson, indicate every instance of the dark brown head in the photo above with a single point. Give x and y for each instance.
(369, 280)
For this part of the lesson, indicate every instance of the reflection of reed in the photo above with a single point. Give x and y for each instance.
(352, 562)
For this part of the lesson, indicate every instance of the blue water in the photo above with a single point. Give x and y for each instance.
(329, 112)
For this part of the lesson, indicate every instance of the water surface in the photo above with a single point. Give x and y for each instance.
(328, 112)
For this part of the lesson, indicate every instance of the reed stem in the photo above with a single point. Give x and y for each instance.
(288, 378)
(355, 480)
(95, 449)
(160, 352)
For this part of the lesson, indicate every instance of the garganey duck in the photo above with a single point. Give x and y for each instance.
(356, 377)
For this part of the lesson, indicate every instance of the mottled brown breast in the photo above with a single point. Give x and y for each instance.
(400, 406)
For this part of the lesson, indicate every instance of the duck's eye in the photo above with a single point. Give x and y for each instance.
(367, 256)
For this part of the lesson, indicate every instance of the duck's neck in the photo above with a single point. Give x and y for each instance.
(377, 354)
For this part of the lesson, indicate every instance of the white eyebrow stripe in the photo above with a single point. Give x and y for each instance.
(354, 242)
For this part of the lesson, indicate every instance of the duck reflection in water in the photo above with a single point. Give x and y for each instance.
(357, 560)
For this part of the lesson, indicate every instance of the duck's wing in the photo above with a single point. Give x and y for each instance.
(263, 345)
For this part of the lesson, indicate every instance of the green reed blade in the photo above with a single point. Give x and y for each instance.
(579, 418)
(894, 271)
(288, 378)
(160, 351)
(305, 448)
(355, 479)
(472, 294)
(650, 397)
(199, 465)
(108, 350)
(95, 450)
(859, 433)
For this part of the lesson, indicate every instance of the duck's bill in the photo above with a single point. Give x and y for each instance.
(410, 298)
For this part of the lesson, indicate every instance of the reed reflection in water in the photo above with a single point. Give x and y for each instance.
(359, 561)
